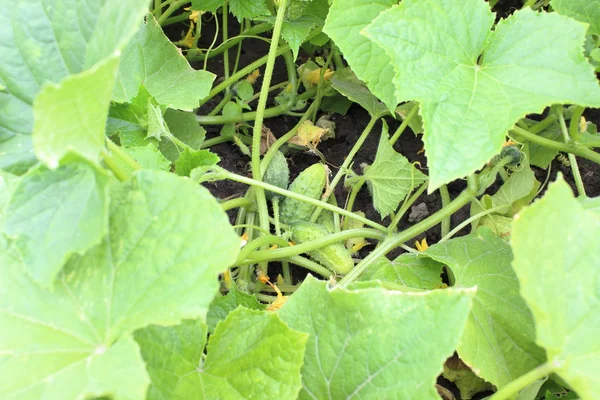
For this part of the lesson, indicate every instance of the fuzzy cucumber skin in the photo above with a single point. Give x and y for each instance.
(310, 183)
(334, 257)
(277, 174)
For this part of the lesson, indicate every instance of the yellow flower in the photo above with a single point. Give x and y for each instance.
(244, 238)
(253, 76)
(422, 246)
(315, 75)
(188, 40)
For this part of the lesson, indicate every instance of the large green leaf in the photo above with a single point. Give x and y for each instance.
(375, 343)
(410, 270)
(474, 84)
(391, 176)
(558, 266)
(155, 267)
(499, 339)
(345, 21)
(55, 213)
(251, 355)
(223, 305)
(151, 59)
(72, 114)
(45, 42)
(587, 11)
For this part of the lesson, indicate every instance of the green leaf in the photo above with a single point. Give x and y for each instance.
(590, 204)
(156, 126)
(558, 271)
(474, 84)
(171, 353)
(295, 32)
(541, 156)
(240, 363)
(150, 58)
(410, 270)
(498, 341)
(371, 343)
(464, 378)
(223, 305)
(368, 60)
(519, 185)
(188, 160)
(53, 214)
(391, 177)
(248, 9)
(72, 114)
(149, 157)
(416, 122)
(153, 268)
(207, 5)
(587, 11)
(16, 153)
(47, 42)
(345, 82)
(183, 126)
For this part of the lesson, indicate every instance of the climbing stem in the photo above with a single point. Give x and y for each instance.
(342, 171)
(236, 203)
(565, 147)
(574, 123)
(445, 201)
(261, 200)
(252, 115)
(413, 111)
(395, 240)
(248, 33)
(284, 139)
(224, 174)
(475, 217)
(174, 6)
(572, 159)
(242, 73)
(406, 206)
(513, 388)
(310, 265)
(281, 253)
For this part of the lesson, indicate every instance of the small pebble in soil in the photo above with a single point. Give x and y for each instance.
(418, 213)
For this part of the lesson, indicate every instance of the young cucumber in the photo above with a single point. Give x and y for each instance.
(334, 257)
(277, 174)
(310, 183)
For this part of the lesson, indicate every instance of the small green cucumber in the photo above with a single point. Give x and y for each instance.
(310, 183)
(326, 219)
(334, 257)
(277, 174)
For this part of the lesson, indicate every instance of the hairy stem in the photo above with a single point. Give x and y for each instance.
(514, 387)
(565, 147)
(395, 240)
(342, 171)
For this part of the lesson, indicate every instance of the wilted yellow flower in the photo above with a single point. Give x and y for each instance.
(315, 75)
(188, 40)
(253, 76)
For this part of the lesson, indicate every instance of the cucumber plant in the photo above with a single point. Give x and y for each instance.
(123, 277)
